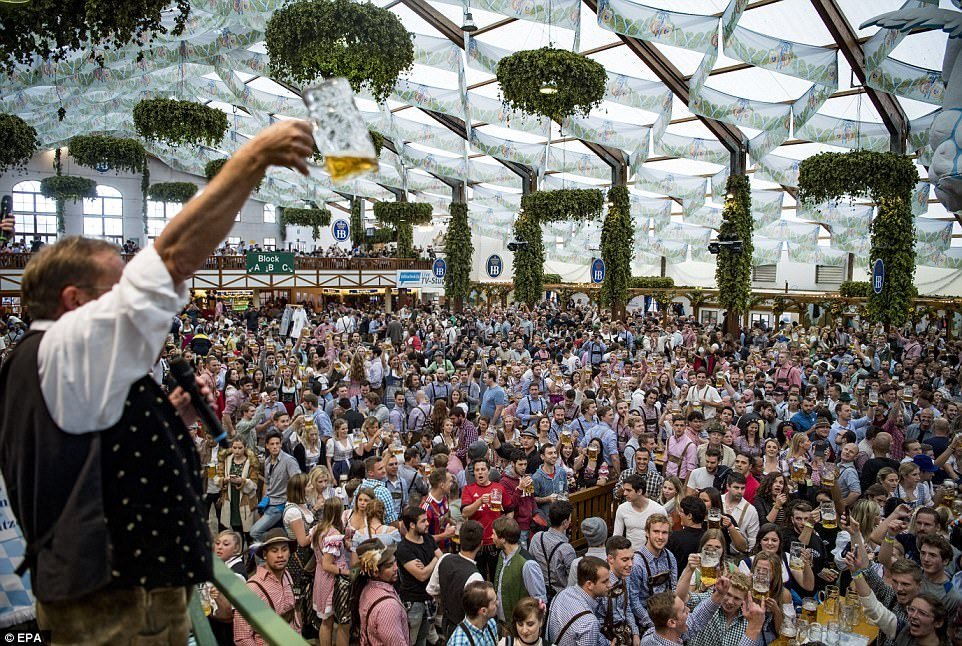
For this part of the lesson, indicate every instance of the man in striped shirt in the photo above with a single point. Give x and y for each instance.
(379, 613)
(572, 620)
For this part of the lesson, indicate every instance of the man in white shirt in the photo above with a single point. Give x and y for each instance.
(704, 477)
(703, 397)
(632, 515)
(742, 512)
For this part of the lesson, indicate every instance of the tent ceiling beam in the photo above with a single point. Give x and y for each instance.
(848, 42)
(730, 136)
(611, 156)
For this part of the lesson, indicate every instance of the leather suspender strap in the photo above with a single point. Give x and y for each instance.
(578, 616)
(367, 617)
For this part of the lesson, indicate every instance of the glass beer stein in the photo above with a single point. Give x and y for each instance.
(340, 133)
(829, 515)
(710, 562)
(496, 499)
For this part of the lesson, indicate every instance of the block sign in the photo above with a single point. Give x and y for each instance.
(878, 276)
(280, 262)
(597, 270)
(439, 268)
(341, 230)
(495, 266)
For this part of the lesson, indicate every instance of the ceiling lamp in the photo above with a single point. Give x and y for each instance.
(468, 22)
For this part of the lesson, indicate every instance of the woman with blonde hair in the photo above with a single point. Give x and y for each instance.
(237, 473)
(672, 492)
(374, 526)
(320, 487)
(332, 577)
(690, 577)
(778, 602)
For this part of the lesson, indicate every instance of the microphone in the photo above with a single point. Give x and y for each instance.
(183, 374)
(6, 208)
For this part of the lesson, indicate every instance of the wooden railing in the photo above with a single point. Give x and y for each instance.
(304, 263)
(593, 501)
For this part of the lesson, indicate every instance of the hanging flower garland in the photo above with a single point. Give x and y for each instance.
(61, 188)
(19, 142)
(403, 216)
(173, 191)
(314, 39)
(214, 166)
(313, 218)
(178, 122)
(102, 153)
(550, 82)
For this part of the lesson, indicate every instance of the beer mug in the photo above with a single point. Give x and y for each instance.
(948, 493)
(799, 472)
(592, 451)
(761, 585)
(428, 469)
(849, 617)
(340, 133)
(829, 599)
(795, 560)
(828, 475)
(833, 633)
(809, 611)
(496, 499)
(907, 395)
(203, 595)
(789, 629)
(815, 632)
(710, 562)
(719, 380)
(829, 515)
(566, 436)
(714, 518)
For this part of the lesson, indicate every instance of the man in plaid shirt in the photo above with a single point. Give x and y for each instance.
(674, 623)
(479, 628)
(737, 622)
(653, 479)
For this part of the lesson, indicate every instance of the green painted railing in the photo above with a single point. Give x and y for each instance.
(258, 614)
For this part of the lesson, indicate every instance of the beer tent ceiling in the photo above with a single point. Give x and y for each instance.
(767, 72)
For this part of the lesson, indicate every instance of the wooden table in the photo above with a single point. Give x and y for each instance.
(862, 628)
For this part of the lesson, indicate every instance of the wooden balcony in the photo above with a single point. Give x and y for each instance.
(306, 263)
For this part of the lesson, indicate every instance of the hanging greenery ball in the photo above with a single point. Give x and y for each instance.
(395, 213)
(172, 191)
(19, 142)
(119, 154)
(566, 205)
(214, 166)
(68, 187)
(554, 83)
(45, 30)
(179, 122)
(316, 39)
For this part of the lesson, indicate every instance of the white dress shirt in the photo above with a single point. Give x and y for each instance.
(90, 357)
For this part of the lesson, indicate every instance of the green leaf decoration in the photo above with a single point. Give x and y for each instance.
(19, 142)
(855, 289)
(172, 191)
(319, 39)
(552, 279)
(403, 216)
(378, 140)
(458, 250)
(579, 205)
(617, 248)
(179, 122)
(357, 228)
(313, 218)
(44, 30)
(120, 154)
(887, 179)
(733, 271)
(651, 282)
(214, 166)
(383, 236)
(578, 83)
(68, 187)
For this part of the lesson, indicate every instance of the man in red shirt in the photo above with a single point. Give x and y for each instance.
(743, 463)
(485, 502)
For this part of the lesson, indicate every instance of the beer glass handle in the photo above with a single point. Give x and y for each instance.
(820, 596)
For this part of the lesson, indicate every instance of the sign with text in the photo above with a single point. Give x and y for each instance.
(419, 279)
(878, 276)
(597, 270)
(341, 230)
(439, 268)
(495, 265)
(270, 262)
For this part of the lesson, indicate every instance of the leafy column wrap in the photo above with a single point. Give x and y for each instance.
(733, 271)
(357, 223)
(19, 142)
(144, 190)
(403, 216)
(888, 179)
(540, 208)
(458, 252)
(281, 227)
(617, 248)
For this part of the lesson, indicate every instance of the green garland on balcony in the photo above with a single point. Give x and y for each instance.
(539, 208)
(383, 235)
(888, 180)
(617, 248)
(312, 39)
(66, 187)
(214, 166)
(311, 217)
(172, 191)
(855, 289)
(733, 271)
(578, 83)
(458, 252)
(358, 232)
(47, 30)
(651, 282)
(403, 216)
(19, 142)
(178, 122)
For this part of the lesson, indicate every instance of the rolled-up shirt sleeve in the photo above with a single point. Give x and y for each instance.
(89, 357)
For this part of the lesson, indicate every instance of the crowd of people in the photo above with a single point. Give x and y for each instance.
(334, 251)
(405, 477)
